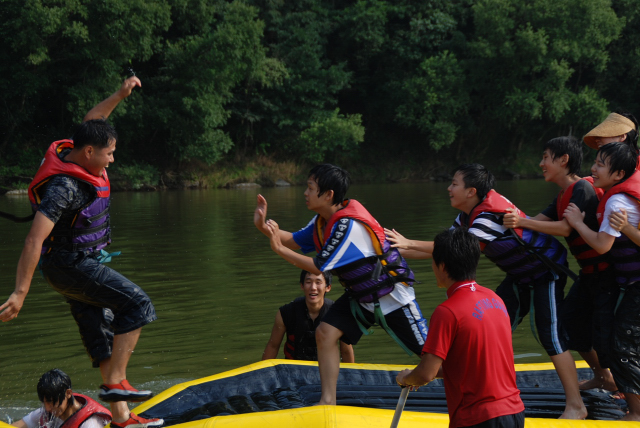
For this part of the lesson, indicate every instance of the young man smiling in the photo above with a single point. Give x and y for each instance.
(534, 263)
(351, 244)
(585, 311)
(615, 172)
(70, 196)
(299, 320)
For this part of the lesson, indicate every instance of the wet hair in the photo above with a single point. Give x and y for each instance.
(561, 146)
(459, 251)
(331, 177)
(327, 276)
(53, 386)
(97, 133)
(620, 157)
(476, 175)
(632, 136)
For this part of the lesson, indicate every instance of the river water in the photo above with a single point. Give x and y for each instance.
(215, 283)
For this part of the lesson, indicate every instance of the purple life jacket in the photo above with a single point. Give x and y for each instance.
(90, 228)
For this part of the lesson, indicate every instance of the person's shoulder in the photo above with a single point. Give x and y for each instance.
(584, 187)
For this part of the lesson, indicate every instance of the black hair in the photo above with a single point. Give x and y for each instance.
(620, 156)
(632, 136)
(331, 177)
(561, 146)
(459, 251)
(96, 132)
(327, 276)
(476, 175)
(53, 386)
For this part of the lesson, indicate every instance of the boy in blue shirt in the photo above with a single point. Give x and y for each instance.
(351, 244)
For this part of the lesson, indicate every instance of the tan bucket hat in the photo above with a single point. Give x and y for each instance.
(614, 125)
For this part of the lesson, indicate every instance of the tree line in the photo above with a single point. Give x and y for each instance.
(370, 81)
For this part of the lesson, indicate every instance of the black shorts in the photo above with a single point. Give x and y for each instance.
(587, 313)
(103, 302)
(406, 323)
(506, 421)
(548, 293)
(625, 361)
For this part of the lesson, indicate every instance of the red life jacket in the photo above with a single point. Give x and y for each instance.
(564, 197)
(371, 277)
(515, 256)
(354, 210)
(89, 408)
(630, 187)
(589, 259)
(494, 203)
(625, 254)
(90, 228)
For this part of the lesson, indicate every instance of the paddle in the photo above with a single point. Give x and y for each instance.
(403, 399)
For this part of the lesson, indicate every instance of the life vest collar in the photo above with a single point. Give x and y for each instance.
(89, 408)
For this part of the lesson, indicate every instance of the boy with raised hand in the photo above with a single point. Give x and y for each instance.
(469, 342)
(299, 320)
(351, 244)
(535, 264)
(590, 299)
(615, 171)
(70, 196)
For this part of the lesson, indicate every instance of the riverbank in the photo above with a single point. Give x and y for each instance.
(264, 171)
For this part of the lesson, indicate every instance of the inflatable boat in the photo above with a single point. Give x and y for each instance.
(282, 393)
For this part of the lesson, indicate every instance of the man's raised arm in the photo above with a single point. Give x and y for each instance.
(106, 106)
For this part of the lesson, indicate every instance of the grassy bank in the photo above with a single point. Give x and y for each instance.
(266, 171)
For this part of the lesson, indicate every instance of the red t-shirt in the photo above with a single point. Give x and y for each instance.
(471, 332)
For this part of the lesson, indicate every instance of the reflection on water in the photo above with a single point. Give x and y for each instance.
(215, 283)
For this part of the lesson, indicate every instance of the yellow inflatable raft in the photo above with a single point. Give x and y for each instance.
(281, 393)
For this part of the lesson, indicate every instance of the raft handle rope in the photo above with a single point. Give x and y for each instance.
(16, 219)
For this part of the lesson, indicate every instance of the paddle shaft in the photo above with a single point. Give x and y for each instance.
(400, 407)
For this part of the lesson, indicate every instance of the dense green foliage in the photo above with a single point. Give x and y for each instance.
(420, 83)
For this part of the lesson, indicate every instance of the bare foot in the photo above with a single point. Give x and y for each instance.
(578, 414)
(605, 382)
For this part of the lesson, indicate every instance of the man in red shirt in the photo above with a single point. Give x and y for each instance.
(469, 342)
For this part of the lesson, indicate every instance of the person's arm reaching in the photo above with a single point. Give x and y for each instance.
(618, 220)
(277, 334)
(40, 229)
(410, 246)
(103, 109)
(296, 259)
(599, 241)
(427, 370)
(539, 223)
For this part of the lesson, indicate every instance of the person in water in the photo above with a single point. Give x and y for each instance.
(70, 196)
(588, 305)
(535, 265)
(615, 172)
(299, 320)
(62, 408)
(469, 342)
(351, 244)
